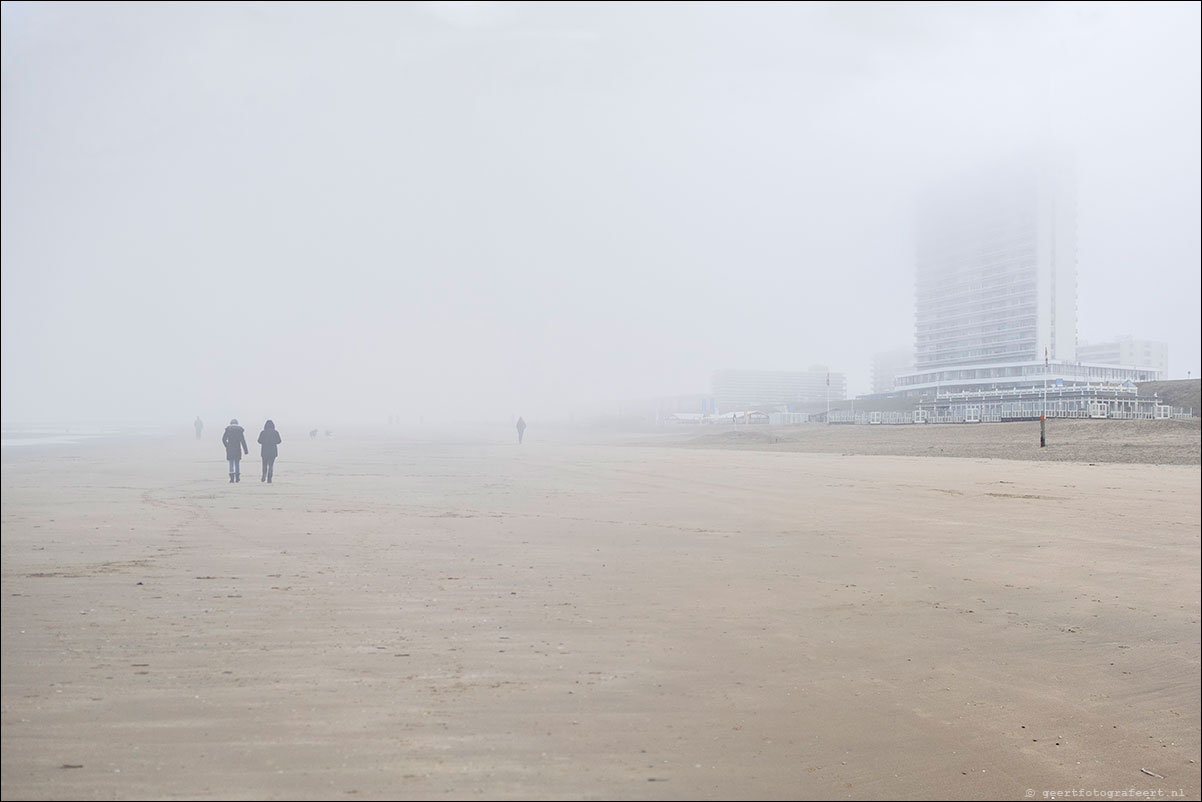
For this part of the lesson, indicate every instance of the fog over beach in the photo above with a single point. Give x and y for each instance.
(477, 210)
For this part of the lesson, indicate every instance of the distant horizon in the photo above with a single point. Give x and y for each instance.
(422, 208)
(610, 411)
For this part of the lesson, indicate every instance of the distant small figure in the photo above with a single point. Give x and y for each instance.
(521, 430)
(199, 426)
(234, 440)
(270, 439)
(313, 433)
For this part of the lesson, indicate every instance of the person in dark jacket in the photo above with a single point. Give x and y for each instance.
(234, 441)
(269, 438)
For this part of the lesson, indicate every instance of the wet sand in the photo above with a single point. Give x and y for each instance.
(1169, 442)
(583, 618)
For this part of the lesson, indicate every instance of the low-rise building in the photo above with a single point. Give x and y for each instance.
(1128, 352)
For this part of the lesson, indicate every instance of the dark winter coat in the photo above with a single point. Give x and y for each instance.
(234, 441)
(270, 439)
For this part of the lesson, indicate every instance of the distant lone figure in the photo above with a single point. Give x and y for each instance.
(312, 433)
(234, 441)
(269, 438)
(200, 426)
(521, 430)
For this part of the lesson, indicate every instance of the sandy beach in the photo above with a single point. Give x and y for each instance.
(433, 615)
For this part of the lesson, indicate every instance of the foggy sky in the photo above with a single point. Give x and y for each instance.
(341, 212)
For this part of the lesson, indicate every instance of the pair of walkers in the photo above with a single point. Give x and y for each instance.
(234, 441)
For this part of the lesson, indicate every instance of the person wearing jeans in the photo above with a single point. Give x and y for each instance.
(234, 441)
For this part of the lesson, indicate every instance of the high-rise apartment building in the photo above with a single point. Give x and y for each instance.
(996, 287)
(996, 277)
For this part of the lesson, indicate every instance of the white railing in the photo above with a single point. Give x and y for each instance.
(999, 412)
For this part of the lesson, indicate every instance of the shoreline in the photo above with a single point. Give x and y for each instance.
(1172, 442)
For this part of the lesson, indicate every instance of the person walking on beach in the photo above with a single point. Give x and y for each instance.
(521, 430)
(200, 427)
(269, 438)
(234, 441)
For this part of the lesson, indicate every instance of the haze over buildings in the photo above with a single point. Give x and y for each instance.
(736, 390)
(328, 212)
(996, 286)
(888, 365)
